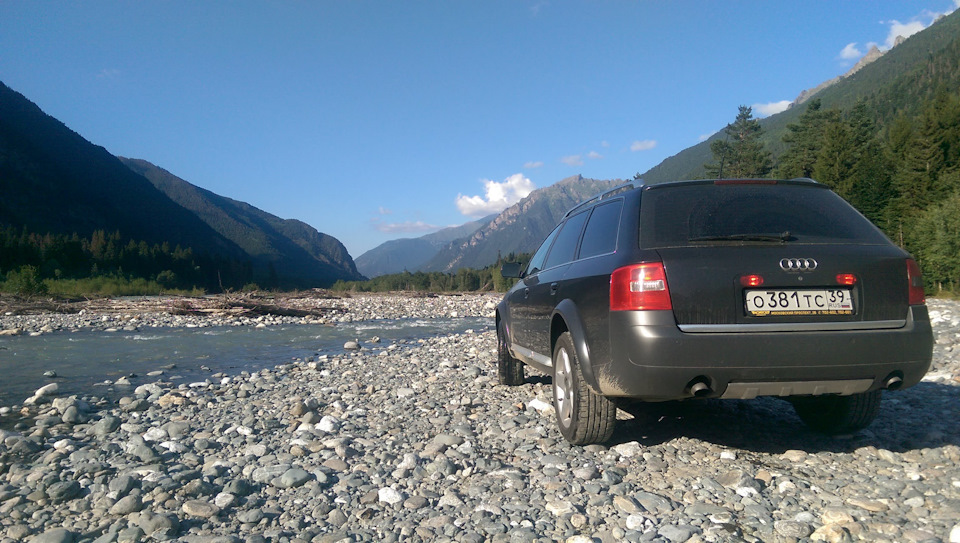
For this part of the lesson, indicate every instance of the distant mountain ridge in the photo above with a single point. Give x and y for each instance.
(519, 228)
(54, 181)
(410, 254)
(287, 247)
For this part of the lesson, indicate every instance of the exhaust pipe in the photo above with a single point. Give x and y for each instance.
(893, 382)
(699, 388)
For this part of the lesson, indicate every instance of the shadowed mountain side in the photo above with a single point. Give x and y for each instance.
(285, 252)
(52, 180)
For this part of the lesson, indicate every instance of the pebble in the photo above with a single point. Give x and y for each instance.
(421, 443)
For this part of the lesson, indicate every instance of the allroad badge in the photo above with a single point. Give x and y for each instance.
(798, 264)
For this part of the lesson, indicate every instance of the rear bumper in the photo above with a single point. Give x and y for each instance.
(652, 359)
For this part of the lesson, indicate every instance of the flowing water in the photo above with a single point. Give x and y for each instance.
(85, 360)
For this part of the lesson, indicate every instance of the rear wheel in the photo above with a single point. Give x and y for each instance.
(838, 414)
(584, 416)
(509, 369)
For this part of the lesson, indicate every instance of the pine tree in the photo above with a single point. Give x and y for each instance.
(740, 154)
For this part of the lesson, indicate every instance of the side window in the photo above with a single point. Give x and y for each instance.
(536, 263)
(565, 247)
(600, 236)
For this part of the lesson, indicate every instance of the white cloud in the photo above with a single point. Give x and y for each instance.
(499, 196)
(594, 155)
(643, 145)
(533, 164)
(572, 160)
(384, 211)
(409, 227)
(916, 24)
(850, 52)
(906, 30)
(771, 108)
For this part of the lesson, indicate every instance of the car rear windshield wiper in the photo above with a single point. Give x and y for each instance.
(779, 238)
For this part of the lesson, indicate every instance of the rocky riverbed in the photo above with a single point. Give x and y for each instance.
(419, 443)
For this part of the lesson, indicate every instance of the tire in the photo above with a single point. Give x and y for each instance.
(584, 416)
(838, 414)
(509, 369)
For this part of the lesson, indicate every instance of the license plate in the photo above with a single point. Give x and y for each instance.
(786, 302)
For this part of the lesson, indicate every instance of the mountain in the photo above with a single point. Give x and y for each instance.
(896, 83)
(286, 252)
(518, 229)
(410, 254)
(53, 181)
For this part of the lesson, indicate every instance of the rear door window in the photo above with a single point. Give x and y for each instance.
(600, 235)
(565, 246)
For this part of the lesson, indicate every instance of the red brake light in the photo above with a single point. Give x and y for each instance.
(847, 279)
(640, 287)
(915, 283)
(751, 280)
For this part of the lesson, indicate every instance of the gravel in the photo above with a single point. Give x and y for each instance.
(419, 443)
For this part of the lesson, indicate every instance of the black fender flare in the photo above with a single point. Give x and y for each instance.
(567, 311)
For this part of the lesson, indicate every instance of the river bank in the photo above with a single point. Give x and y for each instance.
(421, 444)
(40, 316)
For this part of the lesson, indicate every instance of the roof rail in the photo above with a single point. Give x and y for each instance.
(630, 185)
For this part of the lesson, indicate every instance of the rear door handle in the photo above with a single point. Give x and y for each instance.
(554, 287)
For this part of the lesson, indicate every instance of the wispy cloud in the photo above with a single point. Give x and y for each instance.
(593, 155)
(771, 108)
(533, 164)
(108, 73)
(572, 160)
(408, 227)
(498, 196)
(384, 211)
(643, 145)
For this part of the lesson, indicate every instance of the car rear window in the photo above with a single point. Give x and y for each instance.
(716, 214)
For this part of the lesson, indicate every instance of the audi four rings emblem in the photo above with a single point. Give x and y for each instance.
(798, 264)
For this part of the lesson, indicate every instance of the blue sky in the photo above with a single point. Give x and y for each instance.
(379, 120)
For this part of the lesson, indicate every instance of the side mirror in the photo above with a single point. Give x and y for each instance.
(511, 270)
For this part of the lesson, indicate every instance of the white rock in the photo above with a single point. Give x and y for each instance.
(328, 424)
(540, 405)
(46, 390)
(389, 495)
(628, 449)
(174, 446)
(154, 434)
(224, 500)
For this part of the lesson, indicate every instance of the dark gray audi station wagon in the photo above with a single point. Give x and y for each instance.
(716, 289)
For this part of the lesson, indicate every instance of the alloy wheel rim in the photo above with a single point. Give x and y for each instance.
(563, 388)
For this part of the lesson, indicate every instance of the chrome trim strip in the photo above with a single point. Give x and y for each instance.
(524, 353)
(791, 327)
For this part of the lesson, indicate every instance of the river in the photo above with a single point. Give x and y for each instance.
(87, 362)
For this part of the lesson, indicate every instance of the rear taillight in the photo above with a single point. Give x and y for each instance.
(915, 282)
(640, 287)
